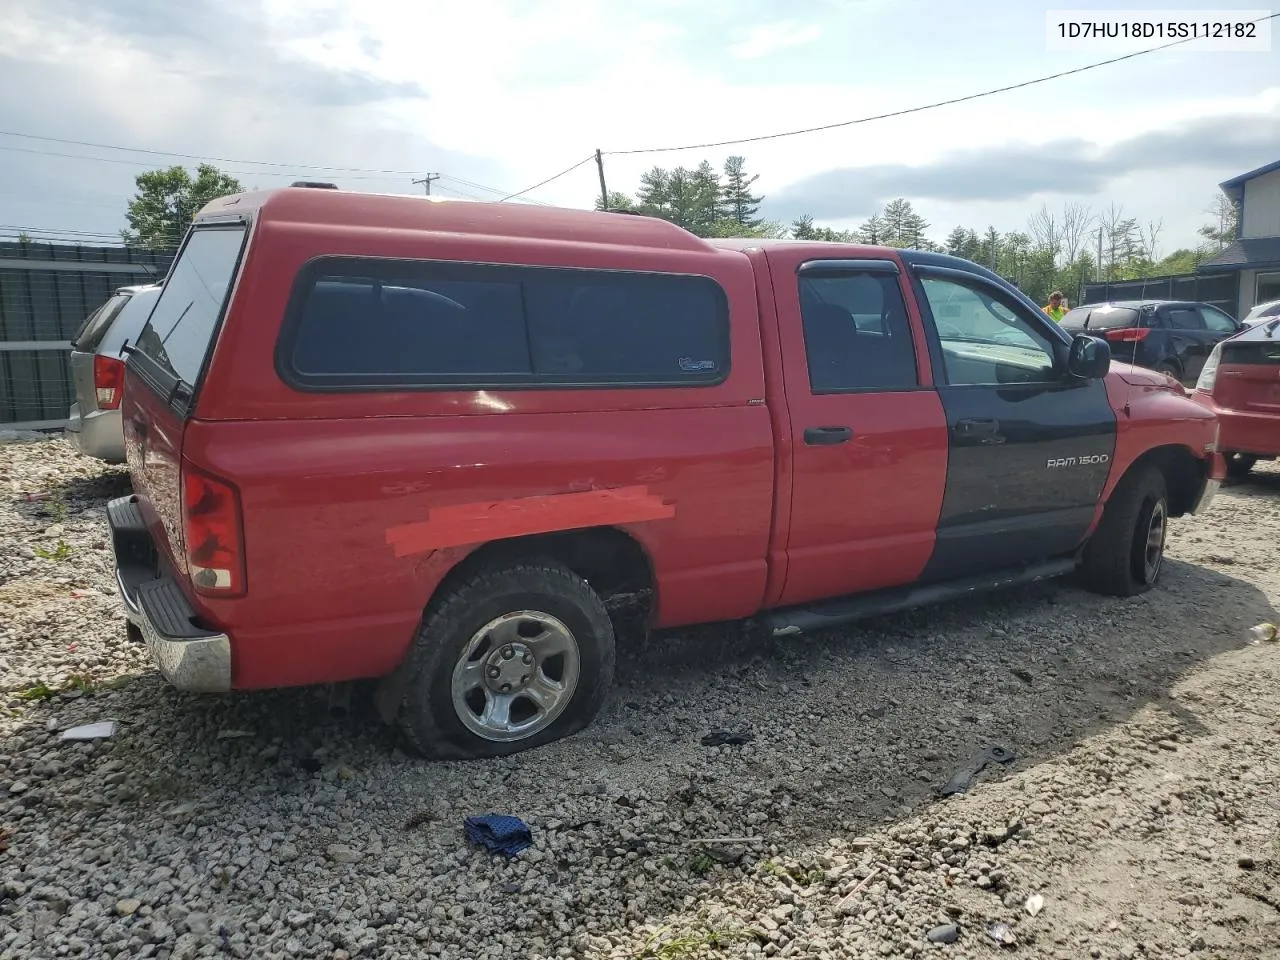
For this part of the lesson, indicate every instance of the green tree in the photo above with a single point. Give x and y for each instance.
(802, 228)
(964, 242)
(740, 204)
(617, 201)
(873, 230)
(988, 252)
(708, 209)
(701, 200)
(168, 200)
(685, 199)
(1180, 261)
(654, 195)
(903, 226)
(765, 230)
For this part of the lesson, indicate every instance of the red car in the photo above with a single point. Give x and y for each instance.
(1240, 383)
(442, 443)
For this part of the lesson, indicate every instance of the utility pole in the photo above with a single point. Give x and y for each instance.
(1099, 253)
(428, 180)
(604, 191)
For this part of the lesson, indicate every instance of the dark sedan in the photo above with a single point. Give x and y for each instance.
(1175, 336)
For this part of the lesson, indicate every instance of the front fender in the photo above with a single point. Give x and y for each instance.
(1153, 411)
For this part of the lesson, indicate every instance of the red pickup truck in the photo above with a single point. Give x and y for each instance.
(435, 442)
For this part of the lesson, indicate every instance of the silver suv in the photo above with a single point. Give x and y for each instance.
(97, 370)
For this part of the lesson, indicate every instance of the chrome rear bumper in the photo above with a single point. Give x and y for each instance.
(188, 656)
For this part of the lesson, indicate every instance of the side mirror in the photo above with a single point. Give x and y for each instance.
(1090, 357)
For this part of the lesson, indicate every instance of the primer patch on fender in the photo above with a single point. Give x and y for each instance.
(467, 523)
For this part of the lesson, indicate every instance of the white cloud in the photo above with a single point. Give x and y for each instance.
(517, 90)
(764, 39)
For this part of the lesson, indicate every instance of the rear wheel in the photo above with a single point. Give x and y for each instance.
(512, 658)
(1239, 465)
(1172, 369)
(1125, 555)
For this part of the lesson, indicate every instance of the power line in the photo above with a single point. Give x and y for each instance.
(390, 175)
(460, 193)
(543, 183)
(919, 109)
(194, 156)
(144, 163)
(496, 190)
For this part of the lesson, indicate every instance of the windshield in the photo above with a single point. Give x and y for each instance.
(1100, 316)
(180, 332)
(95, 325)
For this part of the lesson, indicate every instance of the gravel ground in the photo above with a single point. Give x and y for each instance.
(1140, 807)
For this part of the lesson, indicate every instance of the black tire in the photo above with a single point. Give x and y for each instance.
(1171, 368)
(428, 718)
(1117, 559)
(1239, 465)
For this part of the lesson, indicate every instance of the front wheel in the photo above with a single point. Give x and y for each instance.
(1125, 555)
(511, 658)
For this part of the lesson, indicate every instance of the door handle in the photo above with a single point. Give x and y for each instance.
(825, 436)
(981, 428)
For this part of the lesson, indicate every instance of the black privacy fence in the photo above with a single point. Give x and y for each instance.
(46, 292)
(1222, 290)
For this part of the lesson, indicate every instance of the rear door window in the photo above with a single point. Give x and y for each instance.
(1184, 318)
(96, 324)
(1252, 352)
(856, 333)
(180, 332)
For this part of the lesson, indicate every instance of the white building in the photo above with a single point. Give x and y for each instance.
(1255, 254)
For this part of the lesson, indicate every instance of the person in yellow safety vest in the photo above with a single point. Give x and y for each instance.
(1056, 307)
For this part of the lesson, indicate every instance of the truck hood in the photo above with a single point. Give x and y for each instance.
(1142, 377)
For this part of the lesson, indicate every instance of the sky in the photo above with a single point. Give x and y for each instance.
(497, 95)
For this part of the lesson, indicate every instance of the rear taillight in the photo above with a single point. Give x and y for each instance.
(214, 534)
(1209, 372)
(108, 382)
(1127, 334)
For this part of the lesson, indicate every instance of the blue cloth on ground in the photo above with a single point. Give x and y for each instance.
(499, 833)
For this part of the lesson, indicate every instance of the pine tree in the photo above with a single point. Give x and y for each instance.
(654, 195)
(708, 209)
(873, 230)
(740, 204)
(903, 226)
(617, 201)
(990, 248)
(682, 198)
(802, 228)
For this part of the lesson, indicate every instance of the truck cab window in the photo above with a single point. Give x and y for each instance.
(856, 333)
(984, 340)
